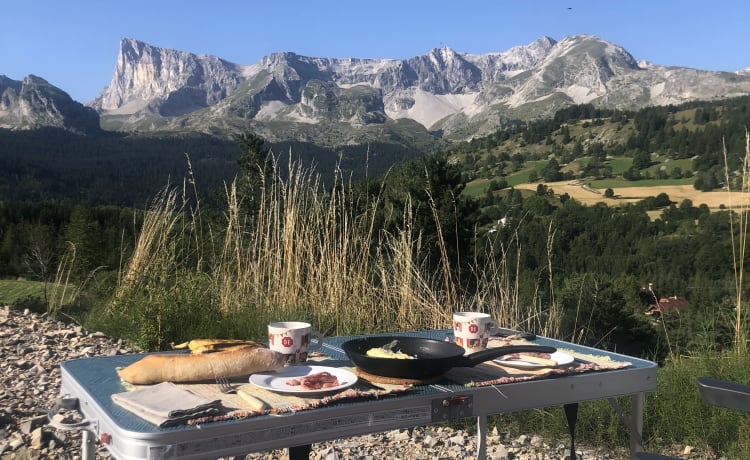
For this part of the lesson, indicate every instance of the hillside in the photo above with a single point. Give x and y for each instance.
(653, 147)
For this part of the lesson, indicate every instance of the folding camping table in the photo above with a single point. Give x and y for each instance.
(88, 384)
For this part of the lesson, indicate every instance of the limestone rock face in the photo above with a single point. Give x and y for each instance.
(167, 82)
(34, 103)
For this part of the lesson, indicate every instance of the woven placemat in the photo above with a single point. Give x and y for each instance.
(395, 380)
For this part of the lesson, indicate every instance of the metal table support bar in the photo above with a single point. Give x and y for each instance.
(88, 445)
(635, 424)
(300, 452)
(481, 437)
(636, 419)
(571, 415)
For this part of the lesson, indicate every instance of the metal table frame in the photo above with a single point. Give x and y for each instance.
(87, 385)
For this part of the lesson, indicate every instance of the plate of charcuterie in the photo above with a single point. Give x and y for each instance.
(535, 360)
(304, 379)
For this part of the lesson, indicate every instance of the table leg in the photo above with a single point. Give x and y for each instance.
(300, 452)
(88, 446)
(481, 437)
(636, 420)
(571, 414)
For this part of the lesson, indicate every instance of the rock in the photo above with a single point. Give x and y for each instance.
(32, 349)
(498, 453)
(37, 438)
(15, 443)
(401, 436)
(29, 424)
(458, 440)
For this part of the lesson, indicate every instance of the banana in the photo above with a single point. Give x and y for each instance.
(200, 346)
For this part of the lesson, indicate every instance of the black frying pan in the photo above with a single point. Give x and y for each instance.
(433, 357)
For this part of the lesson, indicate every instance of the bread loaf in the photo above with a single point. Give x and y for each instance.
(170, 367)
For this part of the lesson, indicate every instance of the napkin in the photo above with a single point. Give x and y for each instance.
(166, 404)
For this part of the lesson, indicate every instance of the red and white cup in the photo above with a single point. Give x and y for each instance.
(472, 330)
(294, 339)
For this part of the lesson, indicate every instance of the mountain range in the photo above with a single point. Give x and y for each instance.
(442, 95)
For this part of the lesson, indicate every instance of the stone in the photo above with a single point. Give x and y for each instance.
(458, 440)
(37, 438)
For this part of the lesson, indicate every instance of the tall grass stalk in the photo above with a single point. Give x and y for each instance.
(739, 237)
(60, 286)
(154, 242)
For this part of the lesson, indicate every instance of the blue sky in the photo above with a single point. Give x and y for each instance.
(73, 44)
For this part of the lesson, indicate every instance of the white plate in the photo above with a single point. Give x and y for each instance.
(277, 381)
(558, 356)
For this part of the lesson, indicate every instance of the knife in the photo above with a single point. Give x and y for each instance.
(505, 332)
(532, 360)
(255, 403)
(370, 385)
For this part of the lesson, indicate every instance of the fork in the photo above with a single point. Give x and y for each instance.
(224, 385)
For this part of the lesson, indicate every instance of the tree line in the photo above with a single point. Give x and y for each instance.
(127, 169)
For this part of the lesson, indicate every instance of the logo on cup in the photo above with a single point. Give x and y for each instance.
(287, 342)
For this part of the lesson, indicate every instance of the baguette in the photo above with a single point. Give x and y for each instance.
(169, 367)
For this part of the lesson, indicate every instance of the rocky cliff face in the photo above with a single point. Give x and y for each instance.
(166, 82)
(34, 103)
(442, 90)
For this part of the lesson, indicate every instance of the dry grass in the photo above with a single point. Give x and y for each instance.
(741, 208)
(315, 256)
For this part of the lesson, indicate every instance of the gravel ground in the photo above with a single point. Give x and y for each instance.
(33, 347)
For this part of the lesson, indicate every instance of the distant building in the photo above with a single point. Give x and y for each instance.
(662, 306)
(668, 305)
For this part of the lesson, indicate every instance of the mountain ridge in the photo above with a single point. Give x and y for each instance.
(458, 95)
(450, 95)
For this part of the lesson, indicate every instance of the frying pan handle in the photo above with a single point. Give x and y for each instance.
(491, 353)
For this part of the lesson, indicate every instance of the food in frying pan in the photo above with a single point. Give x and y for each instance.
(319, 381)
(383, 352)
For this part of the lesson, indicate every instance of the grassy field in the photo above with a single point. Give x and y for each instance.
(11, 291)
(520, 179)
(715, 200)
(592, 191)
